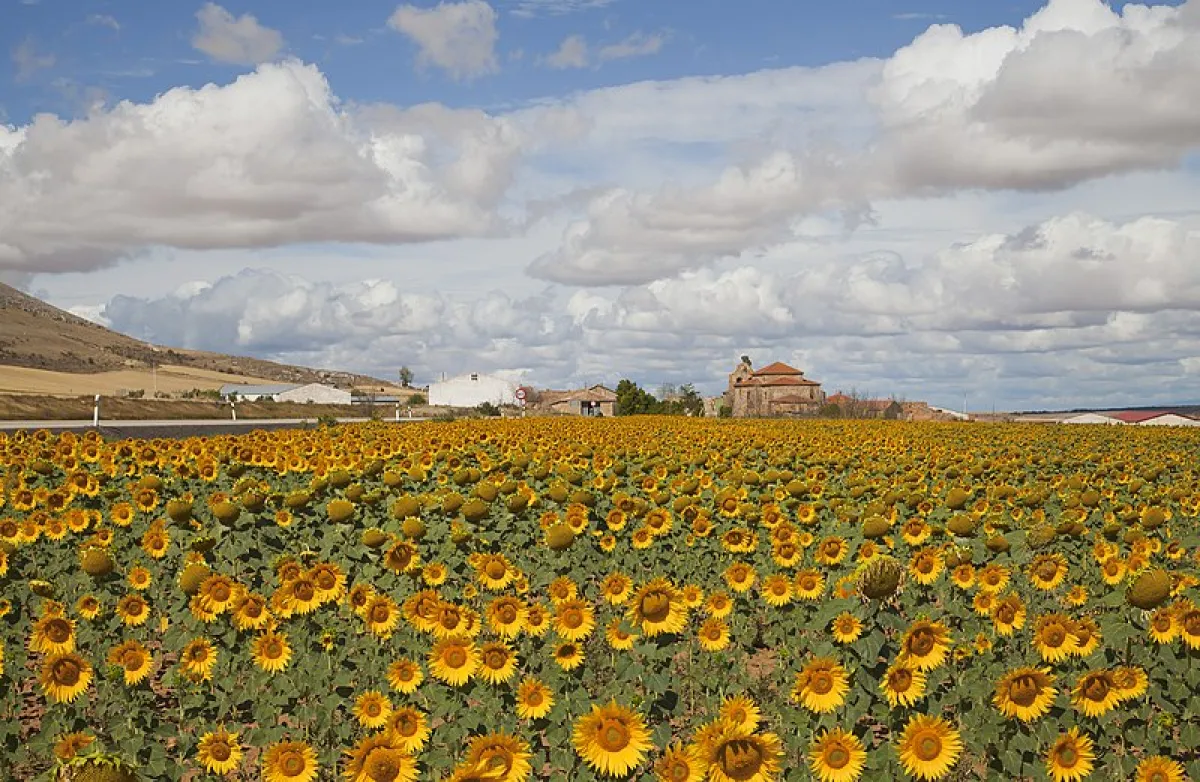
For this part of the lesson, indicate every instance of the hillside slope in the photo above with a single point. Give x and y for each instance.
(37, 335)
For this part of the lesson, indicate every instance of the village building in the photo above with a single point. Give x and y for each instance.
(316, 393)
(598, 400)
(775, 390)
(472, 390)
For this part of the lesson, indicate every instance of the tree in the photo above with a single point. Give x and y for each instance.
(632, 399)
(406, 377)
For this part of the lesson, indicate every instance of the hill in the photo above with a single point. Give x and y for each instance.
(37, 336)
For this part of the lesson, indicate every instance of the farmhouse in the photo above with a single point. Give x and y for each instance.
(775, 390)
(317, 393)
(598, 400)
(472, 390)
(1155, 418)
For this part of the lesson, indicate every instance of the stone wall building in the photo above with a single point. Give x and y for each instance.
(775, 390)
(597, 400)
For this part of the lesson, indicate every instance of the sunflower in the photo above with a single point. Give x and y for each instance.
(809, 585)
(679, 763)
(741, 711)
(409, 728)
(1008, 615)
(503, 756)
(1087, 636)
(1113, 571)
(821, 685)
(133, 659)
(506, 615)
(1047, 571)
(379, 758)
(133, 610)
(1076, 596)
(68, 746)
(271, 651)
(497, 662)
(290, 761)
(929, 747)
(733, 753)
(1095, 693)
(138, 578)
(568, 655)
(453, 660)
(1189, 627)
(618, 637)
(963, 576)
(1158, 768)
(250, 612)
(1070, 757)
(1053, 635)
(402, 557)
(713, 634)
(405, 676)
(494, 571)
(925, 644)
(846, 628)
(329, 580)
(1025, 693)
(718, 605)
(1163, 628)
(693, 596)
(381, 615)
(420, 609)
(537, 622)
(658, 608)
(219, 751)
(612, 739)
(926, 566)
(65, 676)
(218, 593)
(740, 577)
(573, 619)
(776, 590)
(993, 578)
(903, 685)
(534, 699)
(837, 756)
(372, 709)
(53, 634)
(1130, 682)
(197, 659)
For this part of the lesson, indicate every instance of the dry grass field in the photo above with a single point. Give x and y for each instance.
(170, 379)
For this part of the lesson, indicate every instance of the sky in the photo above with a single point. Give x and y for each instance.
(991, 205)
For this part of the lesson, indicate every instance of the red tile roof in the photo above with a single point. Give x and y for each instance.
(1138, 416)
(778, 368)
(771, 381)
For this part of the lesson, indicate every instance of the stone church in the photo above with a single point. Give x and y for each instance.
(775, 390)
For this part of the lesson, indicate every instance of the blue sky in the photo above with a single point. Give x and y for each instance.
(135, 50)
(931, 200)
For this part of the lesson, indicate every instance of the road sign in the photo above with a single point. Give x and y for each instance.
(520, 395)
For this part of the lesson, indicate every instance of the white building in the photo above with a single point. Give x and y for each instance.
(316, 393)
(1169, 419)
(472, 390)
(1092, 418)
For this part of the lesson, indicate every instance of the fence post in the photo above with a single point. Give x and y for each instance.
(233, 409)
(96, 412)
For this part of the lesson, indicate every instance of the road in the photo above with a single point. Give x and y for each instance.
(180, 428)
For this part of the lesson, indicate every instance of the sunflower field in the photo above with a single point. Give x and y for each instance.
(636, 599)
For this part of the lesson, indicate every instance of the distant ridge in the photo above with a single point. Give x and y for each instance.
(38, 335)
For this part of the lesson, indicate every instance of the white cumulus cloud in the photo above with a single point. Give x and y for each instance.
(237, 40)
(458, 37)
